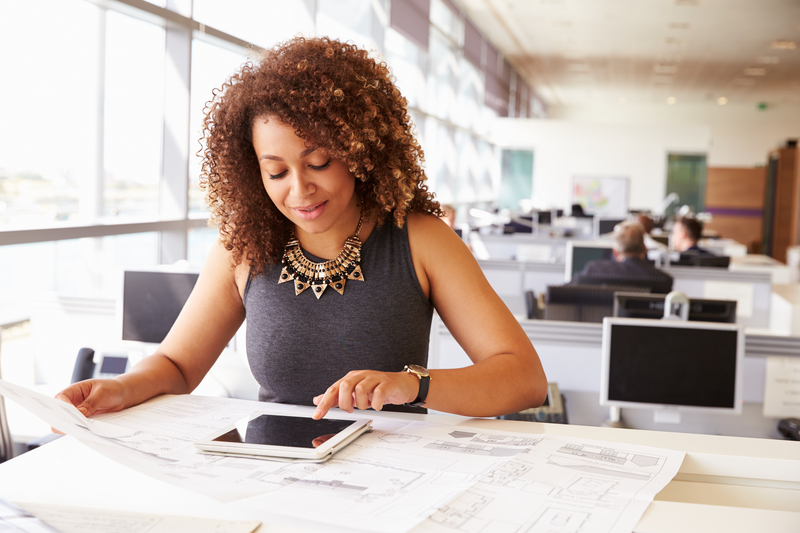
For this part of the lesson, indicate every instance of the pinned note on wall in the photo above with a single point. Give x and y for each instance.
(782, 387)
(743, 293)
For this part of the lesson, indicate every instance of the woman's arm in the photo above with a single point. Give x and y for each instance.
(211, 316)
(506, 375)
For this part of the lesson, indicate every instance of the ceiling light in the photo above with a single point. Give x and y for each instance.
(665, 69)
(769, 60)
(755, 71)
(671, 100)
(784, 45)
(679, 25)
(722, 100)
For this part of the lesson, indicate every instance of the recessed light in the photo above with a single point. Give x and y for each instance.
(784, 45)
(722, 100)
(671, 100)
(769, 60)
(755, 71)
(665, 69)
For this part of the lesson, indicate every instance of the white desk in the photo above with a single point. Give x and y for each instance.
(725, 483)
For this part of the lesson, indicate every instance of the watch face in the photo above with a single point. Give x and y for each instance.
(419, 370)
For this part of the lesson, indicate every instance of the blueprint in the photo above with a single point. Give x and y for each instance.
(561, 485)
(402, 475)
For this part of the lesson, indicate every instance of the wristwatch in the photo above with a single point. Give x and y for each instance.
(424, 381)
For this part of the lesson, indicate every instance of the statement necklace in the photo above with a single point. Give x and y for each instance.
(305, 273)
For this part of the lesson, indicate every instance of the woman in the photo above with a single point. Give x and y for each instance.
(331, 246)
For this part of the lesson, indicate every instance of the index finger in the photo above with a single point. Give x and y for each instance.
(328, 400)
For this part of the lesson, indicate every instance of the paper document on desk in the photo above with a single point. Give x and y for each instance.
(79, 520)
(562, 485)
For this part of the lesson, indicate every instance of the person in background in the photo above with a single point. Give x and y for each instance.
(630, 258)
(648, 225)
(685, 234)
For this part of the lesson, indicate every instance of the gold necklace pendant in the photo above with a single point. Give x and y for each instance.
(318, 276)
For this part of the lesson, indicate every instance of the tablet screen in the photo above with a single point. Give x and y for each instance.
(289, 431)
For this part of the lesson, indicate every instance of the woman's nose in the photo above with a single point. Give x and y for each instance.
(301, 185)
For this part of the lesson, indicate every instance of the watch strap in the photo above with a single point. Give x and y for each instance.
(422, 395)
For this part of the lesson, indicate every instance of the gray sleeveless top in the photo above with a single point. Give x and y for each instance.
(299, 346)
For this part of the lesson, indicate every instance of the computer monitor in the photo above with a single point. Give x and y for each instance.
(581, 252)
(544, 217)
(672, 365)
(152, 301)
(581, 303)
(637, 305)
(654, 285)
(702, 260)
(604, 225)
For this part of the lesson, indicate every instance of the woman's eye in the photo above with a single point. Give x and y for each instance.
(321, 167)
(278, 176)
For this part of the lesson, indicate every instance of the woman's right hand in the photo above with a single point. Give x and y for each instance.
(95, 396)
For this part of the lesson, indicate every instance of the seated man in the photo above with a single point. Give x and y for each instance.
(629, 264)
(685, 234)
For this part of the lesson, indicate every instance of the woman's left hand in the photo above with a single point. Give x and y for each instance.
(363, 389)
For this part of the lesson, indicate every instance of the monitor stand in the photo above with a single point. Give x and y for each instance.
(614, 418)
(667, 416)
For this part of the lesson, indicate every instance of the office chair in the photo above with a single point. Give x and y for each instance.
(531, 305)
(6, 444)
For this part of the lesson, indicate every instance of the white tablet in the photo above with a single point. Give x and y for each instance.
(282, 437)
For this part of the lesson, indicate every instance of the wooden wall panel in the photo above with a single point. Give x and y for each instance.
(735, 187)
(786, 200)
(735, 197)
(746, 230)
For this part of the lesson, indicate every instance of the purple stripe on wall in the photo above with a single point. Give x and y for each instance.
(733, 212)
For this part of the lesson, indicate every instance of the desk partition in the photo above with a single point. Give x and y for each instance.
(751, 290)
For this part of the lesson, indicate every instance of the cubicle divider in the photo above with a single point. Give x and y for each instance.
(751, 290)
(520, 246)
(511, 279)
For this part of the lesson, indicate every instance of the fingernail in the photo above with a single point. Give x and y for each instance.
(83, 410)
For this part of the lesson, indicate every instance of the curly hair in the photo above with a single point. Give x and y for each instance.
(335, 97)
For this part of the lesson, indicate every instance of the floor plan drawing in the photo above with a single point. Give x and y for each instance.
(560, 485)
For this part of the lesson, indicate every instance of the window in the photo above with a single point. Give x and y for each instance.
(211, 66)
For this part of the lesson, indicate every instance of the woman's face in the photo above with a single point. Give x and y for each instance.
(314, 191)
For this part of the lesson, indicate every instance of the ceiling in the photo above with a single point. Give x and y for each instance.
(579, 52)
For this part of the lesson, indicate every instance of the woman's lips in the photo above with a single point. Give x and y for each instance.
(310, 212)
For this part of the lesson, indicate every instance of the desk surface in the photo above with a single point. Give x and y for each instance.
(725, 483)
